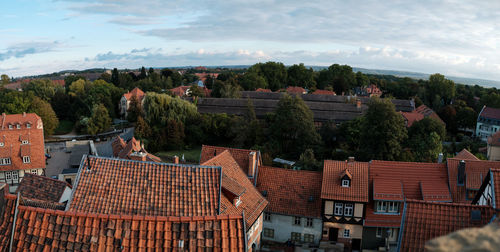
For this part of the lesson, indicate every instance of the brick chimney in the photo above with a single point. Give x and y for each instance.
(358, 104)
(252, 163)
(350, 159)
(138, 156)
(176, 159)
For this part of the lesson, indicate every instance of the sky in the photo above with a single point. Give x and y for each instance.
(455, 38)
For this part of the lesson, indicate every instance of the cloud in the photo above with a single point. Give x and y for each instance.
(24, 49)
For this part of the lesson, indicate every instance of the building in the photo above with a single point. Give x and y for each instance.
(391, 183)
(294, 210)
(22, 148)
(127, 97)
(41, 188)
(323, 92)
(418, 114)
(133, 150)
(493, 148)
(296, 90)
(490, 188)
(344, 193)
(423, 221)
(368, 91)
(488, 122)
(265, 90)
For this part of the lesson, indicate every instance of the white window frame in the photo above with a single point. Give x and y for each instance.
(25, 142)
(309, 239)
(338, 209)
(296, 221)
(26, 159)
(8, 175)
(28, 125)
(381, 206)
(267, 217)
(34, 171)
(309, 222)
(18, 126)
(15, 175)
(299, 235)
(10, 126)
(348, 209)
(346, 183)
(393, 207)
(1, 144)
(347, 233)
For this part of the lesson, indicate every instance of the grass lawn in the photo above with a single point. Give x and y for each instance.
(192, 155)
(64, 127)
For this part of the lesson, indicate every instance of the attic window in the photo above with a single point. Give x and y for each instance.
(25, 142)
(346, 183)
(237, 201)
(10, 126)
(26, 159)
(18, 126)
(1, 144)
(28, 125)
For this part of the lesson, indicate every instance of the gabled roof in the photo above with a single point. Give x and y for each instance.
(12, 146)
(492, 178)
(420, 113)
(492, 113)
(323, 92)
(411, 117)
(384, 189)
(263, 90)
(291, 192)
(119, 186)
(466, 155)
(295, 90)
(241, 156)
(424, 221)
(332, 188)
(125, 151)
(475, 171)
(494, 140)
(38, 229)
(41, 188)
(139, 94)
(251, 201)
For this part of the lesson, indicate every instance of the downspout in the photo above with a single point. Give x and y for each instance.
(14, 223)
(245, 230)
(400, 235)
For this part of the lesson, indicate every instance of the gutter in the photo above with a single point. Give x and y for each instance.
(84, 157)
(400, 235)
(245, 228)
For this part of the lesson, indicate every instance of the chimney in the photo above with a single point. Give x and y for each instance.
(138, 156)
(350, 159)
(24, 114)
(440, 158)
(461, 173)
(358, 104)
(176, 159)
(252, 162)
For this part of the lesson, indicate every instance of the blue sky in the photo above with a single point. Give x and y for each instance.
(458, 38)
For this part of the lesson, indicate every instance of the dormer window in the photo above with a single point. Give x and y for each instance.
(237, 201)
(18, 126)
(10, 126)
(346, 183)
(25, 142)
(1, 144)
(26, 159)
(28, 125)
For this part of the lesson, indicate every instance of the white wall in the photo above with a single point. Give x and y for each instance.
(283, 226)
(66, 195)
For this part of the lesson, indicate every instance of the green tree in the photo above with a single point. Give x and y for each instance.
(251, 81)
(307, 161)
(143, 74)
(175, 135)
(274, 73)
(195, 91)
(424, 139)
(14, 102)
(383, 131)
(44, 89)
(362, 80)
(44, 110)
(466, 118)
(291, 127)
(135, 110)
(247, 129)
(4, 79)
(300, 76)
(341, 78)
(99, 121)
(70, 79)
(441, 87)
(115, 77)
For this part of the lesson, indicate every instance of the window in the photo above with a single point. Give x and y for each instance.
(297, 220)
(296, 236)
(347, 233)
(26, 160)
(308, 238)
(267, 217)
(28, 125)
(387, 207)
(309, 222)
(5, 161)
(346, 183)
(379, 232)
(339, 208)
(18, 126)
(24, 142)
(8, 175)
(10, 126)
(381, 206)
(393, 207)
(269, 232)
(34, 171)
(1, 144)
(348, 209)
(15, 175)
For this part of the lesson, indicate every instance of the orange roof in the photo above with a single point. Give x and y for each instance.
(291, 192)
(241, 156)
(263, 90)
(384, 189)
(119, 186)
(12, 146)
(420, 113)
(494, 140)
(411, 117)
(135, 92)
(332, 185)
(323, 92)
(424, 221)
(203, 76)
(492, 113)
(251, 201)
(496, 185)
(295, 90)
(127, 151)
(466, 155)
(38, 229)
(180, 90)
(41, 188)
(475, 172)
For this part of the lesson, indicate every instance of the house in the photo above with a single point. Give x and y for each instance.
(248, 160)
(263, 90)
(127, 97)
(466, 155)
(344, 193)
(493, 148)
(423, 221)
(294, 210)
(488, 122)
(391, 183)
(369, 91)
(183, 91)
(22, 148)
(490, 188)
(41, 188)
(418, 114)
(323, 92)
(27, 228)
(133, 150)
(295, 90)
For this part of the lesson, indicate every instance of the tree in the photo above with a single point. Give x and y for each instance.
(383, 131)
(341, 78)
(14, 102)
(300, 76)
(449, 115)
(425, 137)
(115, 77)
(251, 81)
(195, 91)
(4, 79)
(135, 110)
(44, 89)
(143, 74)
(44, 110)
(72, 78)
(362, 80)
(60, 103)
(99, 121)
(175, 135)
(142, 130)
(466, 118)
(441, 87)
(307, 161)
(291, 127)
(247, 130)
(274, 73)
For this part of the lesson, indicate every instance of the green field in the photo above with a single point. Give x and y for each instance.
(64, 127)
(192, 155)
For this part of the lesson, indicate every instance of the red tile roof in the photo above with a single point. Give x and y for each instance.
(424, 221)
(466, 155)
(252, 203)
(11, 139)
(323, 92)
(241, 156)
(295, 90)
(492, 113)
(475, 171)
(384, 189)
(263, 90)
(119, 186)
(41, 188)
(411, 117)
(496, 185)
(332, 185)
(291, 192)
(373, 90)
(139, 94)
(420, 113)
(180, 90)
(128, 150)
(494, 139)
(38, 229)
(203, 76)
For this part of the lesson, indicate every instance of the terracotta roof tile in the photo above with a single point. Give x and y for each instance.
(475, 171)
(241, 156)
(124, 150)
(41, 188)
(119, 186)
(135, 92)
(251, 201)
(494, 139)
(323, 92)
(384, 189)
(263, 90)
(492, 113)
(424, 221)
(466, 155)
(295, 90)
(332, 187)
(12, 145)
(411, 117)
(291, 192)
(420, 113)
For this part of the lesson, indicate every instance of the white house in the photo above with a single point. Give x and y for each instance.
(127, 97)
(488, 122)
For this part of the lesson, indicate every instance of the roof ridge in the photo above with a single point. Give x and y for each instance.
(45, 177)
(444, 203)
(154, 163)
(227, 148)
(291, 170)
